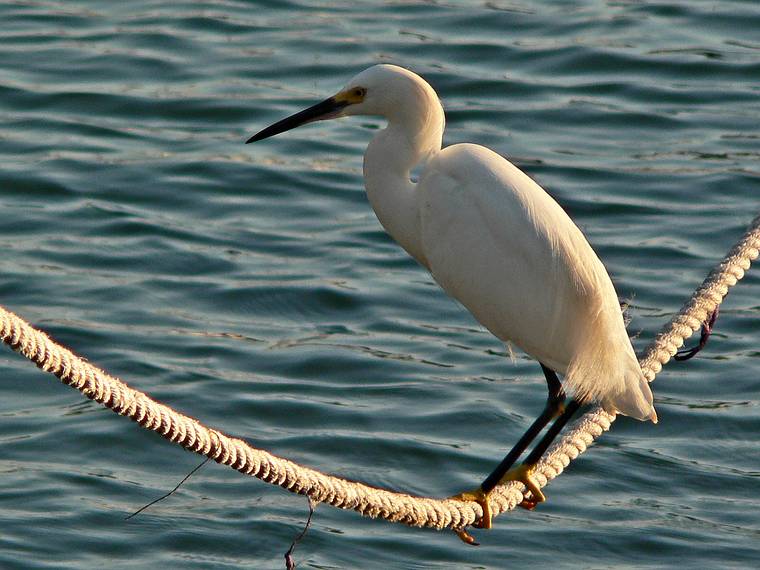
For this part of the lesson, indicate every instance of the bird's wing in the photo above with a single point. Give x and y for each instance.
(495, 241)
(500, 245)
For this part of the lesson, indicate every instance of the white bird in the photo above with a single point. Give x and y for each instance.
(498, 243)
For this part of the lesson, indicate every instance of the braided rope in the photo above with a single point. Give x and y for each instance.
(183, 430)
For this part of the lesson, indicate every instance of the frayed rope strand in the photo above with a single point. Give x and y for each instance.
(183, 430)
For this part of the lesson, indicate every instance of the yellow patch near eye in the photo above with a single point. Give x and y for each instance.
(351, 96)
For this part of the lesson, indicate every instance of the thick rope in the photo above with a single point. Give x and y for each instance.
(369, 501)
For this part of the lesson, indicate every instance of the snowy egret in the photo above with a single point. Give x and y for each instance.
(498, 243)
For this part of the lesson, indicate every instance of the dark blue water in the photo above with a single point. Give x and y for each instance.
(253, 288)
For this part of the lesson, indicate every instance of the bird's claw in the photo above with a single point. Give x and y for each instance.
(480, 497)
(466, 537)
(522, 473)
(528, 504)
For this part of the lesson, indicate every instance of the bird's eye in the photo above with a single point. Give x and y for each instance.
(360, 92)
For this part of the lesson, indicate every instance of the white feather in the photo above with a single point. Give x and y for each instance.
(491, 237)
(498, 243)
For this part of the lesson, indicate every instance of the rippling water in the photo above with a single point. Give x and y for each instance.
(254, 289)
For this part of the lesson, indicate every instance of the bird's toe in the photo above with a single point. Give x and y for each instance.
(524, 474)
(480, 497)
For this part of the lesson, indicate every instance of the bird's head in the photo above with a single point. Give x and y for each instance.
(381, 90)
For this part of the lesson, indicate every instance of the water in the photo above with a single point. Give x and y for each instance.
(253, 288)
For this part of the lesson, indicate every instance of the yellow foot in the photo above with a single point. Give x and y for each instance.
(524, 474)
(480, 497)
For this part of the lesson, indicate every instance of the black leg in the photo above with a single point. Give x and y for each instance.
(554, 405)
(551, 433)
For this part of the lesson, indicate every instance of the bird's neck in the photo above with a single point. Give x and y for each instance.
(388, 163)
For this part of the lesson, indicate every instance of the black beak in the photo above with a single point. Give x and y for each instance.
(327, 109)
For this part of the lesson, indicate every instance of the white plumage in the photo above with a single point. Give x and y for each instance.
(498, 243)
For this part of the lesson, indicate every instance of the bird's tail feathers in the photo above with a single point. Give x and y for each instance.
(605, 374)
(635, 400)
